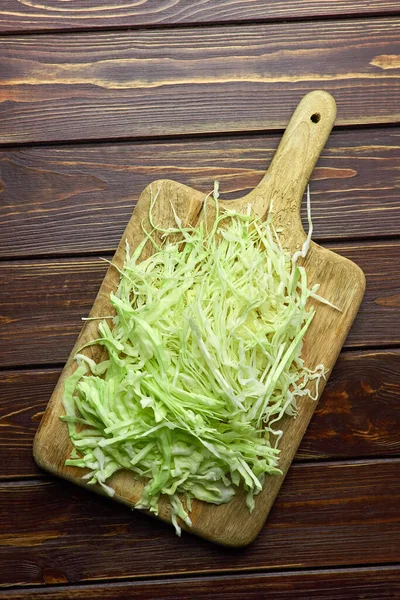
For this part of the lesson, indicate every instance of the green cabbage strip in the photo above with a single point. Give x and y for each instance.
(204, 360)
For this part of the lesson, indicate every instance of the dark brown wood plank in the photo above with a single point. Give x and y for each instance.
(359, 411)
(326, 514)
(42, 306)
(24, 396)
(183, 81)
(357, 416)
(43, 302)
(22, 16)
(365, 583)
(378, 320)
(60, 200)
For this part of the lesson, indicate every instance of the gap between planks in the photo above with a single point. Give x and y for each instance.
(240, 22)
(248, 574)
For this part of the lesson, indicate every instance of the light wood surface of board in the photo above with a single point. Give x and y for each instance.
(341, 282)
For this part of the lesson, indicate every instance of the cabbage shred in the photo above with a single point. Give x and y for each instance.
(204, 360)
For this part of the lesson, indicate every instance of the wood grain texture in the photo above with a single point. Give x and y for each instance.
(378, 583)
(38, 295)
(24, 396)
(340, 280)
(61, 200)
(357, 415)
(43, 302)
(380, 313)
(326, 514)
(19, 16)
(183, 81)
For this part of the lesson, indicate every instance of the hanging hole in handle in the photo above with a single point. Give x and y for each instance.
(315, 118)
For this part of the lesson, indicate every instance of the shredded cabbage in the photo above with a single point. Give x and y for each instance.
(204, 360)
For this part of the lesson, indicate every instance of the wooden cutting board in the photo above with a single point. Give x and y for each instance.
(341, 281)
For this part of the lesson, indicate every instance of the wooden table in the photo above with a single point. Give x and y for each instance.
(97, 101)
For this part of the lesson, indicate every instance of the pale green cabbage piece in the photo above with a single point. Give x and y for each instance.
(204, 360)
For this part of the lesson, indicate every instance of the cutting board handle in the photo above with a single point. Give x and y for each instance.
(282, 188)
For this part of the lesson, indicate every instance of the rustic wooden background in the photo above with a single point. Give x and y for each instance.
(97, 100)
